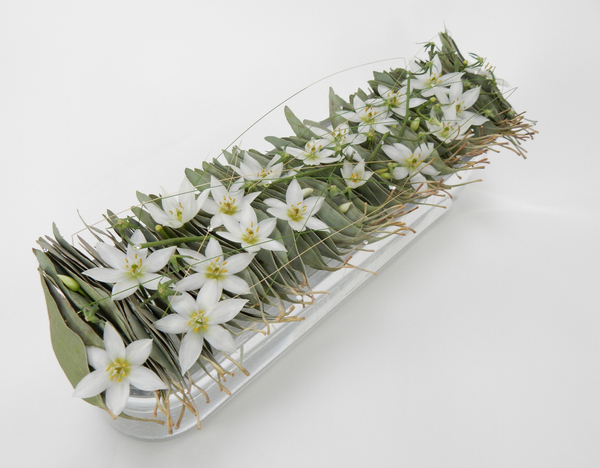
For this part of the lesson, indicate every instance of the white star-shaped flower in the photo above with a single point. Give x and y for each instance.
(395, 100)
(315, 152)
(447, 130)
(354, 175)
(213, 267)
(456, 103)
(370, 118)
(117, 368)
(251, 170)
(297, 211)
(132, 269)
(340, 137)
(432, 80)
(178, 210)
(201, 319)
(226, 203)
(253, 235)
(412, 163)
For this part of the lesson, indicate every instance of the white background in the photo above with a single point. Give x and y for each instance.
(478, 347)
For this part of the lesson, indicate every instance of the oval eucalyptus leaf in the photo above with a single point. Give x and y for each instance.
(301, 130)
(69, 349)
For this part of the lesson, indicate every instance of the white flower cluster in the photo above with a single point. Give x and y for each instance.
(233, 217)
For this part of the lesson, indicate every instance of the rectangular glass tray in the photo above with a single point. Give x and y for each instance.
(258, 351)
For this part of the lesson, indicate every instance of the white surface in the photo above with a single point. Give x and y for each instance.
(479, 347)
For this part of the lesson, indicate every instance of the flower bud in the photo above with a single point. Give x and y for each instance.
(345, 207)
(307, 191)
(70, 283)
(414, 126)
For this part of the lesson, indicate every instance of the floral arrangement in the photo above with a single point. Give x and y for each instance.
(175, 288)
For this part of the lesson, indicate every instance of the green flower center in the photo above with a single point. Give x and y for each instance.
(434, 80)
(395, 100)
(135, 266)
(369, 116)
(228, 206)
(296, 212)
(178, 212)
(250, 236)
(447, 130)
(216, 270)
(311, 151)
(413, 162)
(118, 369)
(198, 322)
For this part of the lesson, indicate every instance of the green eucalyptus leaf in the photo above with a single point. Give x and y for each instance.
(67, 345)
(69, 248)
(301, 130)
(336, 106)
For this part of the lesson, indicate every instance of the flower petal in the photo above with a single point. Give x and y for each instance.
(210, 206)
(271, 245)
(111, 255)
(150, 280)
(113, 342)
(220, 338)
(106, 275)
(174, 323)
(98, 358)
(233, 227)
(400, 172)
(138, 351)
(196, 260)
(316, 224)
(189, 352)
(230, 236)
(266, 226)
(184, 305)
(294, 193)
(274, 203)
(124, 289)
(213, 249)
(116, 396)
(157, 214)
(298, 225)
(397, 152)
(145, 379)
(225, 310)
(281, 213)
(158, 259)
(313, 205)
(191, 283)
(217, 190)
(92, 384)
(237, 263)
(208, 296)
(235, 284)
